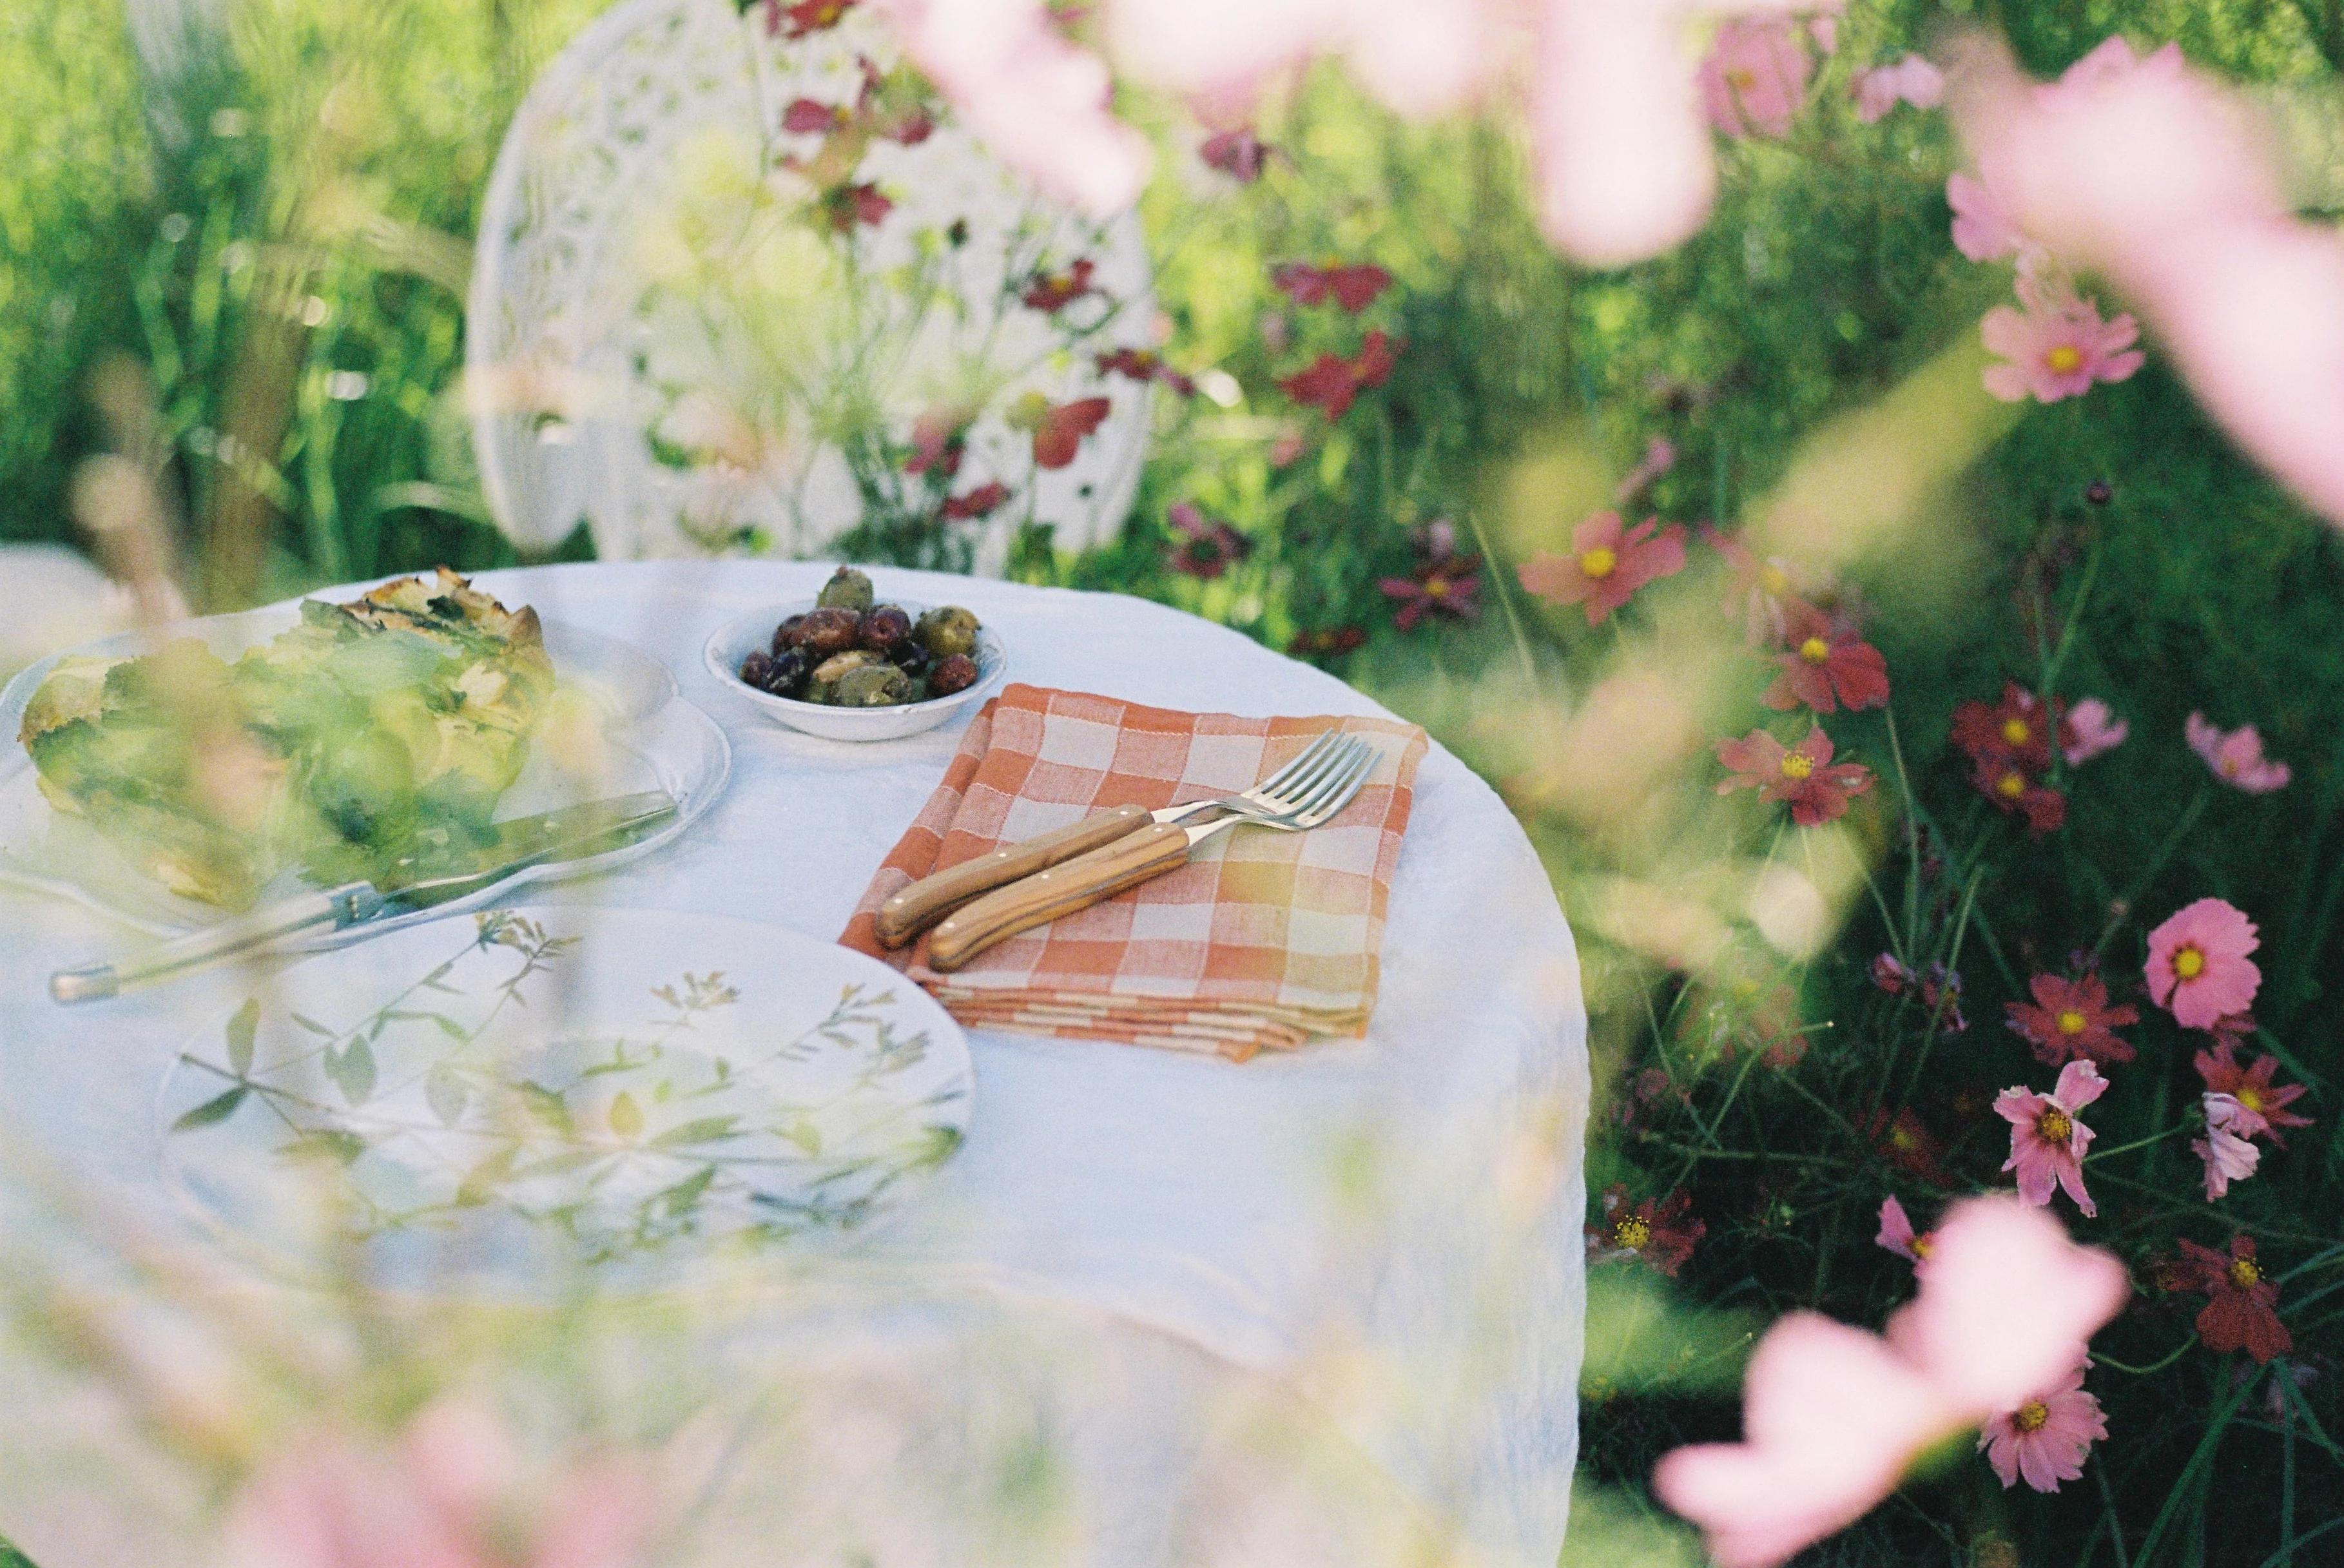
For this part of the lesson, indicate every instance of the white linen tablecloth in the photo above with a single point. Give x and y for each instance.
(1384, 1233)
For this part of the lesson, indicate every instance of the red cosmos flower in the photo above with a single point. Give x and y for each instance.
(806, 16)
(939, 436)
(1449, 585)
(1762, 591)
(806, 116)
(1327, 641)
(1824, 663)
(848, 205)
(1238, 154)
(1908, 1145)
(1332, 382)
(2021, 728)
(2241, 1311)
(2252, 1088)
(1353, 288)
(1145, 365)
(1661, 1232)
(1816, 789)
(1209, 546)
(981, 501)
(1058, 427)
(1607, 565)
(2071, 1019)
(2004, 782)
(1054, 291)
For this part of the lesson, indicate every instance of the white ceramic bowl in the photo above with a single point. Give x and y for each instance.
(738, 638)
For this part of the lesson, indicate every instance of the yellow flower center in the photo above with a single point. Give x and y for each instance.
(2189, 963)
(1814, 650)
(1773, 580)
(2229, 767)
(2010, 786)
(1925, 1244)
(1436, 587)
(1630, 1233)
(2015, 731)
(2249, 1098)
(1796, 765)
(2064, 359)
(2243, 1272)
(1598, 563)
(1742, 79)
(2072, 1022)
(2055, 1125)
(2032, 1416)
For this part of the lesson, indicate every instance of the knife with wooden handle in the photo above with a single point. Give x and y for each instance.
(1064, 888)
(912, 909)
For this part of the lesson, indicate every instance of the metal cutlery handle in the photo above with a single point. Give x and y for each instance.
(1075, 884)
(912, 909)
(337, 907)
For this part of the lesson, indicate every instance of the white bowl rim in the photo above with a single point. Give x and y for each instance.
(773, 615)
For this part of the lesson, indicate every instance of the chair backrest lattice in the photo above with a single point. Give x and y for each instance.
(741, 291)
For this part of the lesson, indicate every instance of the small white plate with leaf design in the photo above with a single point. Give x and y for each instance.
(538, 1102)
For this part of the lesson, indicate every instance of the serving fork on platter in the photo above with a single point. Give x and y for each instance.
(1291, 801)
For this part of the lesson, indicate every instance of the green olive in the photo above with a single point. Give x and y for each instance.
(946, 631)
(872, 686)
(822, 685)
(847, 589)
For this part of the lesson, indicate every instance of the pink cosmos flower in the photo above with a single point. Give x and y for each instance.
(1832, 1416)
(1607, 564)
(2096, 730)
(1754, 77)
(1984, 228)
(1898, 1236)
(2160, 178)
(2235, 756)
(1803, 777)
(1911, 80)
(2055, 345)
(2047, 1135)
(2047, 1437)
(440, 1499)
(2227, 1154)
(2198, 965)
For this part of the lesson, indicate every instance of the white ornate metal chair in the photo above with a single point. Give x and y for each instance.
(744, 287)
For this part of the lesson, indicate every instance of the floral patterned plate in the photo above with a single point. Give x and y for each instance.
(532, 1102)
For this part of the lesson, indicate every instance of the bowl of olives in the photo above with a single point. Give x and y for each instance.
(851, 666)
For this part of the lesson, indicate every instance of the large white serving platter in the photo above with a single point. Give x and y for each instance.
(617, 725)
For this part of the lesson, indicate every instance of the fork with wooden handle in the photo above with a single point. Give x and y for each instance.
(1159, 847)
(912, 909)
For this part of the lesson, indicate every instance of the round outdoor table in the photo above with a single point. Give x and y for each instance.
(1180, 1262)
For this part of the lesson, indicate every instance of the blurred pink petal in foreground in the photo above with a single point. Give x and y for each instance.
(1754, 77)
(1832, 1416)
(2154, 175)
(434, 1500)
(1911, 80)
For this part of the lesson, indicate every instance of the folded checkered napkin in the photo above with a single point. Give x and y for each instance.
(1261, 941)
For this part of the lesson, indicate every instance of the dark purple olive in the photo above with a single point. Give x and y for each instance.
(785, 636)
(786, 677)
(956, 673)
(757, 669)
(827, 631)
(884, 628)
(911, 658)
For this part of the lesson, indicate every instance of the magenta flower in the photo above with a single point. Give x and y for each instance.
(1984, 228)
(2235, 756)
(2198, 965)
(2055, 345)
(1754, 77)
(2094, 730)
(1898, 1236)
(2047, 1437)
(2224, 1151)
(1832, 1416)
(1911, 80)
(1607, 564)
(2047, 1135)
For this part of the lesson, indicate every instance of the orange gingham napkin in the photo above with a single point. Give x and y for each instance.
(1261, 941)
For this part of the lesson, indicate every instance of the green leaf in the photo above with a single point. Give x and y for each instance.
(316, 1028)
(352, 1069)
(482, 1179)
(626, 1115)
(445, 1091)
(241, 1031)
(331, 1144)
(702, 1130)
(215, 1110)
(685, 1195)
